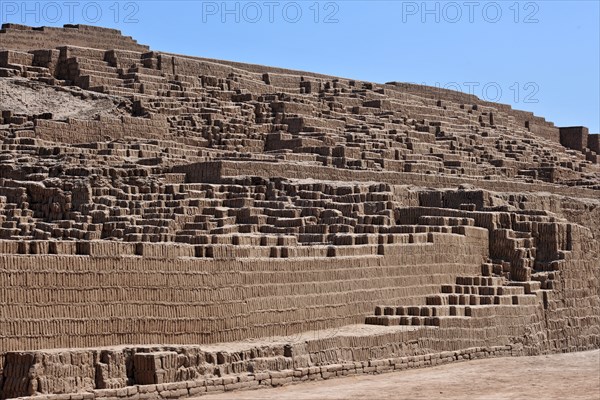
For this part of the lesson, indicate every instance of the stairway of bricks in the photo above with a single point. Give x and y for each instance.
(460, 300)
(516, 274)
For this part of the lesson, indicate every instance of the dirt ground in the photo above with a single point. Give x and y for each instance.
(23, 96)
(552, 377)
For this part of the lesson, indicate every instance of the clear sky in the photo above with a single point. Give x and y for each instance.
(540, 56)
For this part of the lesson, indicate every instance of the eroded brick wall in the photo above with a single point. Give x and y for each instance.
(81, 301)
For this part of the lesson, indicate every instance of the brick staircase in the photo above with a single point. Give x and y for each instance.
(460, 300)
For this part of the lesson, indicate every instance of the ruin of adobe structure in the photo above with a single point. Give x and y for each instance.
(153, 205)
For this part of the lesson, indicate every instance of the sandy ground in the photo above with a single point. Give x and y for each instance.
(553, 377)
(22, 96)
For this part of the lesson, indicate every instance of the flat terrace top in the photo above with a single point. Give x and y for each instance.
(354, 330)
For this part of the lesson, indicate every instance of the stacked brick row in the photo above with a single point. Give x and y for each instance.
(79, 301)
(21, 37)
(292, 372)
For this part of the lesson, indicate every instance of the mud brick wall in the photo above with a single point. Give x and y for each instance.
(435, 92)
(82, 301)
(594, 142)
(64, 372)
(81, 52)
(574, 137)
(192, 371)
(46, 58)
(80, 131)
(259, 70)
(573, 306)
(10, 57)
(159, 367)
(535, 124)
(215, 171)
(23, 37)
(193, 67)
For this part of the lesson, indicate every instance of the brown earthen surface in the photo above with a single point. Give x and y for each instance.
(551, 377)
(172, 225)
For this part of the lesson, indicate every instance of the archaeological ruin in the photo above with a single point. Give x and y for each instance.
(173, 226)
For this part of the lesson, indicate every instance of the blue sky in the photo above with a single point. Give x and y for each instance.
(540, 56)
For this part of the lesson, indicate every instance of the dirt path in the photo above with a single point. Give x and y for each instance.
(560, 376)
